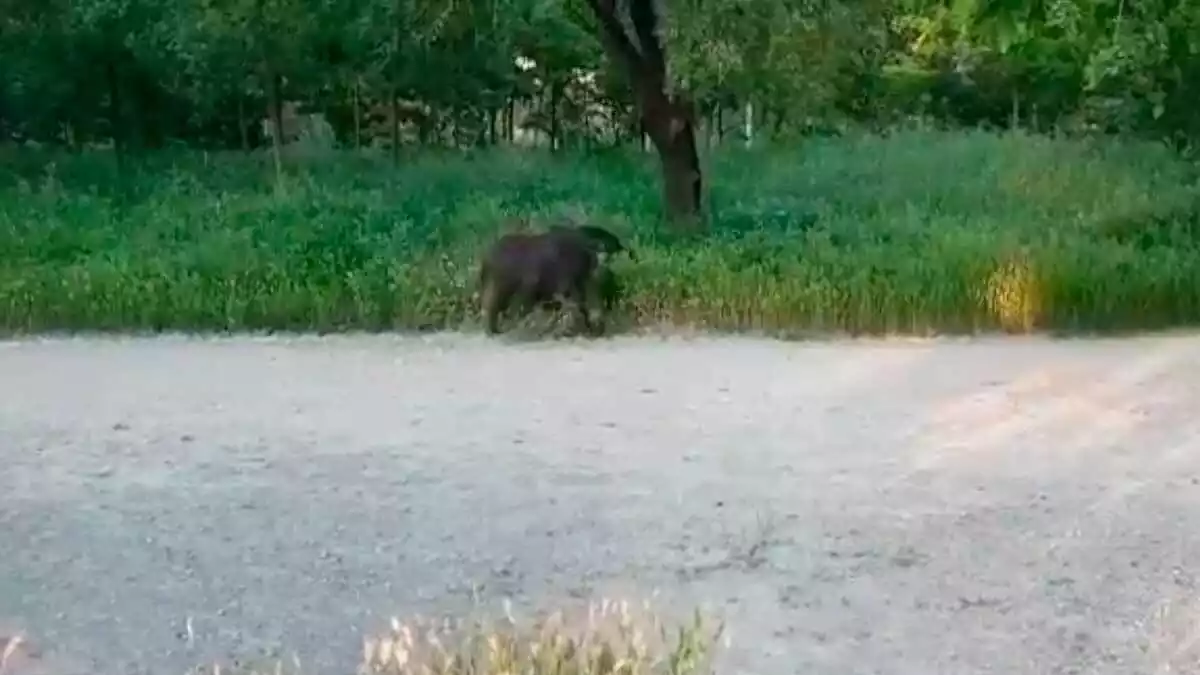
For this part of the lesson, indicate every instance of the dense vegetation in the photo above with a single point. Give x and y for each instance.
(915, 232)
(915, 165)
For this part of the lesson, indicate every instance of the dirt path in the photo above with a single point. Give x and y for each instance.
(993, 506)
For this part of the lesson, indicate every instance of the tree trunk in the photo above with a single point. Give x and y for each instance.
(272, 83)
(483, 134)
(394, 78)
(427, 125)
(139, 132)
(116, 120)
(243, 129)
(669, 119)
(275, 104)
(671, 127)
(395, 105)
(748, 121)
(554, 123)
(357, 102)
(510, 125)
(454, 127)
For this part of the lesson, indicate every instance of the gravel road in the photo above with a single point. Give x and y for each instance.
(949, 506)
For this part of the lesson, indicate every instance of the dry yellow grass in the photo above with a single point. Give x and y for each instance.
(9, 646)
(1013, 296)
(608, 637)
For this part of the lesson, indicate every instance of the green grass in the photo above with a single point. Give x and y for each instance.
(918, 232)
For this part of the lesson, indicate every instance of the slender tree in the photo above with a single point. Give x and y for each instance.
(668, 117)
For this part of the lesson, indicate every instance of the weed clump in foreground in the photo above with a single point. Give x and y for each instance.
(612, 639)
(918, 232)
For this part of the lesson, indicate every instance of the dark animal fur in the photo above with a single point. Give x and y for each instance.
(544, 269)
(602, 239)
(536, 269)
(608, 287)
(604, 280)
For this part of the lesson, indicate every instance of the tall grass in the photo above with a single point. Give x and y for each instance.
(917, 232)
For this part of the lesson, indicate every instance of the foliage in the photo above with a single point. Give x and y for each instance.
(150, 72)
(914, 232)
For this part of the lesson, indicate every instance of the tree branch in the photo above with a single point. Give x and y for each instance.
(617, 39)
(644, 17)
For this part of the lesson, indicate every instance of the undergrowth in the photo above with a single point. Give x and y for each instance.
(917, 232)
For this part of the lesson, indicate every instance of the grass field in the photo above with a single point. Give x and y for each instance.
(914, 233)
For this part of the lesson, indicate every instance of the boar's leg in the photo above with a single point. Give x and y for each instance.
(495, 300)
